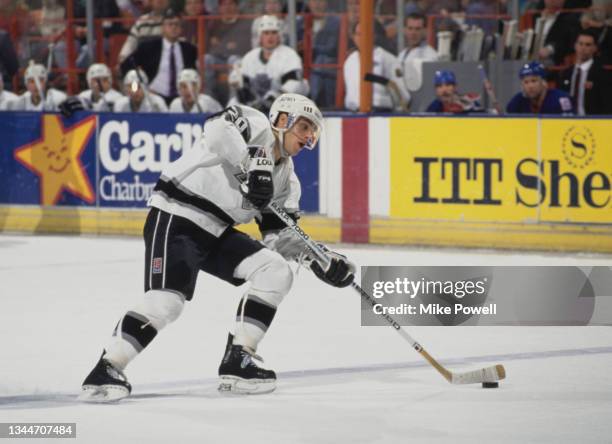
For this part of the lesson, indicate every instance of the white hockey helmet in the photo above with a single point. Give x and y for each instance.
(35, 70)
(296, 106)
(135, 77)
(189, 75)
(268, 23)
(98, 71)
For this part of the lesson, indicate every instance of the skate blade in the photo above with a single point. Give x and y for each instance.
(103, 393)
(233, 385)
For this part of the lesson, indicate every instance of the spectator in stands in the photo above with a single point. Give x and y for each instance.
(386, 66)
(6, 97)
(9, 64)
(52, 18)
(37, 97)
(380, 34)
(147, 26)
(15, 18)
(131, 9)
(271, 7)
(416, 51)
(190, 100)
(228, 40)
(475, 12)
(586, 81)
(100, 96)
(558, 32)
(448, 99)
(535, 97)
(325, 41)
(192, 10)
(137, 97)
(269, 70)
(599, 19)
(162, 58)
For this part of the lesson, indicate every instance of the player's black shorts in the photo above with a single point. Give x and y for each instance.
(176, 249)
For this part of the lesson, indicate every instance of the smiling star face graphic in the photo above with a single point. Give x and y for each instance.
(56, 159)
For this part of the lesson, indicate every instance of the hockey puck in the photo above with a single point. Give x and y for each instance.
(490, 385)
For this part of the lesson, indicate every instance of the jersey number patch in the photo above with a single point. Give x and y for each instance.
(234, 115)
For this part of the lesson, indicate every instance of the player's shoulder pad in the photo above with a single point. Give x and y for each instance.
(237, 115)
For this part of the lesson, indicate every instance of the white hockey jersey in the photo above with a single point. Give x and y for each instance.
(6, 97)
(284, 64)
(150, 104)
(207, 105)
(202, 185)
(106, 104)
(53, 98)
(384, 64)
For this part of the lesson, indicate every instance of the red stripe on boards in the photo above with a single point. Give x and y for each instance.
(355, 205)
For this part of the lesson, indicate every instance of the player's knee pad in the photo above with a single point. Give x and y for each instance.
(161, 307)
(270, 276)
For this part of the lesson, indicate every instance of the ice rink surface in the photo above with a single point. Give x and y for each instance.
(338, 382)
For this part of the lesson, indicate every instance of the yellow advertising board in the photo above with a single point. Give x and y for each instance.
(576, 165)
(501, 170)
(460, 168)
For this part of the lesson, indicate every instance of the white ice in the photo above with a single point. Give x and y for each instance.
(339, 382)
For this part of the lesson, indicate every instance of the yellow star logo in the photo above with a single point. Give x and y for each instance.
(56, 159)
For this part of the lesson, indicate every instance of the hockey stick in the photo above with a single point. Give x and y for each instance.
(392, 87)
(194, 97)
(102, 94)
(488, 86)
(487, 374)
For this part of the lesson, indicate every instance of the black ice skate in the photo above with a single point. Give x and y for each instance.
(105, 383)
(240, 375)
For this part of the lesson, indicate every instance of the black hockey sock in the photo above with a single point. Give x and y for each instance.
(135, 329)
(256, 312)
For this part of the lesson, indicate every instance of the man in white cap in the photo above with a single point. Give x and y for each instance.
(268, 71)
(100, 96)
(137, 97)
(190, 100)
(38, 97)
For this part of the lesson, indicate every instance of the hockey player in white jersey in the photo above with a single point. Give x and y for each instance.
(101, 96)
(6, 97)
(188, 86)
(268, 71)
(243, 164)
(138, 98)
(37, 97)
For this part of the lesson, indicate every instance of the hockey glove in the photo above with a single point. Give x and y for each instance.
(340, 272)
(70, 106)
(286, 243)
(259, 188)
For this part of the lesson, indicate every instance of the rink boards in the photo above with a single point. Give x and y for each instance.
(534, 183)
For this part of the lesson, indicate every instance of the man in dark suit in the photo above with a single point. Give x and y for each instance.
(557, 32)
(586, 81)
(164, 57)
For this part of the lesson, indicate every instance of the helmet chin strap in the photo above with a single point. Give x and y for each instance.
(281, 142)
(280, 133)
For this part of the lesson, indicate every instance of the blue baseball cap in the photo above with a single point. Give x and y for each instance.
(532, 69)
(444, 78)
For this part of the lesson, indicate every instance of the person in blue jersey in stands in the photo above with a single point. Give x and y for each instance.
(535, 97)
